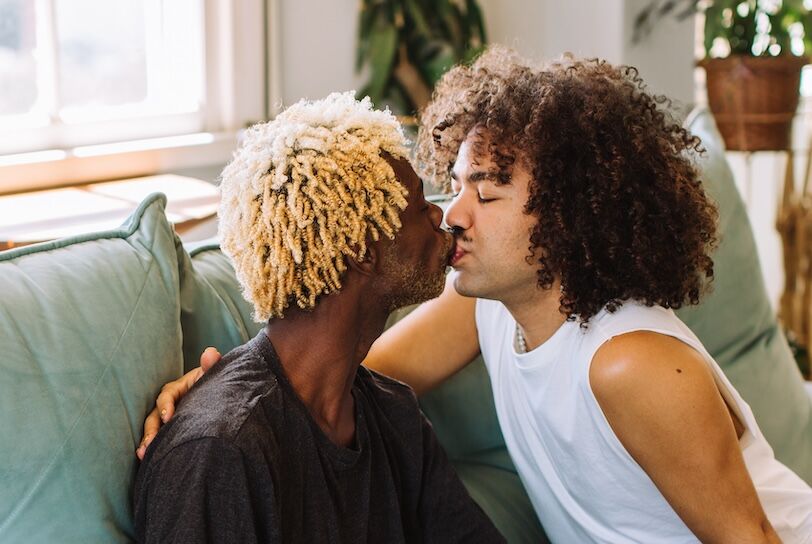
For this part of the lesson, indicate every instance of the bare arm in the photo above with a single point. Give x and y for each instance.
(661, 401)
(430, 344)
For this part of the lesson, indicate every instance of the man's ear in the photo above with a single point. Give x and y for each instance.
(368, 265)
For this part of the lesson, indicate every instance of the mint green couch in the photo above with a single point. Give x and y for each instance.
(92, 326)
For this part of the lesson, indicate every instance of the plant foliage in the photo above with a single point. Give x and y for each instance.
(408, 44)
(738, 27)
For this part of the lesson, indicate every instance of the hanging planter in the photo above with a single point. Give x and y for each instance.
(754, 52)
(754, 99)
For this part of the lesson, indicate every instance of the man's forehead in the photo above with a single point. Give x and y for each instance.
(474, 151)
(473, 168)
(404, 172)
(478, 161)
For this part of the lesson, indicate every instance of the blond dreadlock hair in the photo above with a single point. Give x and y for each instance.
(303, 193)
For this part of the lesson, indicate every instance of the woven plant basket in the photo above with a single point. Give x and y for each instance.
(754, 99)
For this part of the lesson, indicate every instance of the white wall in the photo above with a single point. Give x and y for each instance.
(517, 23)
(597, 28)
(582, 27)
(665, 58)
(317, 48)
(318, 37)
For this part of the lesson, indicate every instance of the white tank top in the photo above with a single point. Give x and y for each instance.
(584, 485)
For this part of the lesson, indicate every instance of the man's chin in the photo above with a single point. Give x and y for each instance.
(463, 285)
(419, 293)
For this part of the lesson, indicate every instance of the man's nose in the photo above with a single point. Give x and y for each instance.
(457, 216)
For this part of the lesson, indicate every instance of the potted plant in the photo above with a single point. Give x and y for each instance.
(754, 52)
(408, 44)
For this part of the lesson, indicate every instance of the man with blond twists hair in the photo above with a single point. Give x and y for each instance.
(289, 439)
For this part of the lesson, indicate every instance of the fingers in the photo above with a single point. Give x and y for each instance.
(151, 426)
(209, 358)
(173, 391)
(164, 409)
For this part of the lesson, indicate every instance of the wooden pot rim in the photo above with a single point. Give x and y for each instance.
(779, 63)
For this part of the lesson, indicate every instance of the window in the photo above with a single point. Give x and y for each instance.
(76, 72)
(104, 89)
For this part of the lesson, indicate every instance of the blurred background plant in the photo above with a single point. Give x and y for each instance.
(754, 52)
(407, 45)
(738, 27)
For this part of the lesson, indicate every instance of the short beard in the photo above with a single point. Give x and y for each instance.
(407, 285)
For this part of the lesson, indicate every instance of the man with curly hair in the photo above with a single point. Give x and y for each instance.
(290, 439)
(580, 224)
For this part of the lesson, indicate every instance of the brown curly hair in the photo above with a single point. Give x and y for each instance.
(621, 209)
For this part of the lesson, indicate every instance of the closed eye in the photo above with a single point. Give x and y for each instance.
(482, 200)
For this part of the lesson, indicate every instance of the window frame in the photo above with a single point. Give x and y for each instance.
(240, 85)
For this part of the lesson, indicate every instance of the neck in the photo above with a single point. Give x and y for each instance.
(320, 352)
(537, 314)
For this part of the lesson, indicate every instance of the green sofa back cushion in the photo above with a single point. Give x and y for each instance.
(738, 326)
(213, 310)
(90, 331)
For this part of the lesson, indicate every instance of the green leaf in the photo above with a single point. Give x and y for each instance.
(366, 18)
(383, 43)
(445, 23)
(435, 33)
(472, 54)
(476, 21)
(363, 92)
(740, 31)
(398, 100)
(439, 64)
(713, 26)
(415, 13)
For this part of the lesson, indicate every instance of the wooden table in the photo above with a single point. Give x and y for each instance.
(27, 218)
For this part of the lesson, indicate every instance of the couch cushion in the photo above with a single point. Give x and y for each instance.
(736, 323)
(501, 495)
(213, 310)
(90, 331)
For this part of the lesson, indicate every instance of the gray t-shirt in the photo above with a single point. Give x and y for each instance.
(242, 460)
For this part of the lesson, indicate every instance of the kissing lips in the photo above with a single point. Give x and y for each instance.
(457, 254)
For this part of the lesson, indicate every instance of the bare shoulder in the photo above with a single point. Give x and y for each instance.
(649, 364)
(660, 398)
(658, 395)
